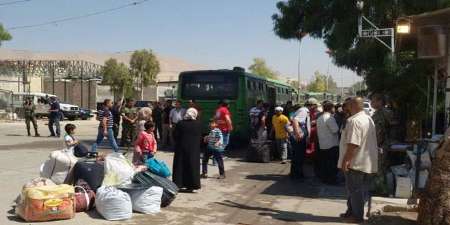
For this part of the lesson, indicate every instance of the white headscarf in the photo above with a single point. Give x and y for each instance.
(191, 114)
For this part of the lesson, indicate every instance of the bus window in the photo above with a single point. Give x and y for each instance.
(201, 86)
(249, 85)
(260, 86)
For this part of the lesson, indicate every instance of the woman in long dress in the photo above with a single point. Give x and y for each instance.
(186, 161)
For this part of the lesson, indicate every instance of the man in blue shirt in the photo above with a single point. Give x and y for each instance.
(54, 117)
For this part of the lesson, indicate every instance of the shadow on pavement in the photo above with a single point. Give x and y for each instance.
(307, 188)
(391, 220)
(281, 215)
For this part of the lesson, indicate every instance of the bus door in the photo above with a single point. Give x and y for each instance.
(272, 95)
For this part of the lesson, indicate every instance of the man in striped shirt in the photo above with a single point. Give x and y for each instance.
(105, 128)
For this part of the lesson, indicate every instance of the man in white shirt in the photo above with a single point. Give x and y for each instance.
(328, 154)
(175, 116)
(302, 126)
(360, 159)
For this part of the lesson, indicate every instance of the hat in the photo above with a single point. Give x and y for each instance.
(312, 101)
(278, 109)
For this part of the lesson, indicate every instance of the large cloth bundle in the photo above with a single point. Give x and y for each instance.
(170, 189)
(158, 167)
(91, 172)
(59, 166)
(148, 200)
(113, 204)
(118, 170)
(45, 203)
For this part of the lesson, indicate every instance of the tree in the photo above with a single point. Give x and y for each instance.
(326, 20)
(4, 35)
(322, 83)
(401, 79)
(260, 68)
(144, 68)
(117, 76)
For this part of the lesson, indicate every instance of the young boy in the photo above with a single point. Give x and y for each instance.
(145, 146)
(215, 148)
(69, 138)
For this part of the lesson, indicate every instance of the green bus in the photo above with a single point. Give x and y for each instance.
(241, 89)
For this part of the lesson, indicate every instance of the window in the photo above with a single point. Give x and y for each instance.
(249, 85)
(260, 86)
(206, 86)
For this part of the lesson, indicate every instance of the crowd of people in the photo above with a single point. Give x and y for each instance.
(333, 136)
(171, 127)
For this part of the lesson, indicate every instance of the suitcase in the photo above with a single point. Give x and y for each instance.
(90, 171)
(170, 189)
(259, 152)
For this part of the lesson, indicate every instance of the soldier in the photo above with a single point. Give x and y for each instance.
(382, 121)
(129, 116)
(29, 109)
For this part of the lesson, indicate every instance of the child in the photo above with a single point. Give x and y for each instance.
(69, 138)
(215, 148)
(145, 145)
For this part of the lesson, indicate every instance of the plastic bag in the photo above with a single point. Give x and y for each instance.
(147, 201)
(158, 167)
(113, 204)
(118, 170)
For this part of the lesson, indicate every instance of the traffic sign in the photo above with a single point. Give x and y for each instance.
(388, 32)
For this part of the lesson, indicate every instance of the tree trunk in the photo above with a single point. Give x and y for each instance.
(434, 206)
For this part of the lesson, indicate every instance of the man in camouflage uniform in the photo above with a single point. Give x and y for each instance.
(129, 116)
(29, 108)
(382, 120)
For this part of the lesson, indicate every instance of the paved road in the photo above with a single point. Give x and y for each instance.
(252, 193)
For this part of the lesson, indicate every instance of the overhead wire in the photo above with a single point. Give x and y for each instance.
(66, 19)
(13, 2)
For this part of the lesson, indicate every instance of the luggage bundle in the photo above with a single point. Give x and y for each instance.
(45, 203)
(114, 187)
(259, 151)
(170, 189)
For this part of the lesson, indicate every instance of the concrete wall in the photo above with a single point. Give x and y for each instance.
(73, 93)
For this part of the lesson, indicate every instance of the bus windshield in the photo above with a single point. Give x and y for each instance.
(209, 86)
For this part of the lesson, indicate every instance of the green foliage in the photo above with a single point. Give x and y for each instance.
(322, 83)
(144, 66)
(117, 76)
(4, 35)
(335, 22)
(260, 68)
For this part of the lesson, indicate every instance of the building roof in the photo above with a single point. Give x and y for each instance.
(170, 66)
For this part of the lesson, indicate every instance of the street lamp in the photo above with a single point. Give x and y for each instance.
(403, 26)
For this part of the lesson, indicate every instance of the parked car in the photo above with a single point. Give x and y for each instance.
(70, 112)
(85, 113)
(368, 108)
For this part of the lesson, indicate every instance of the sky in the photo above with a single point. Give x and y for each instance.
(217, 34)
